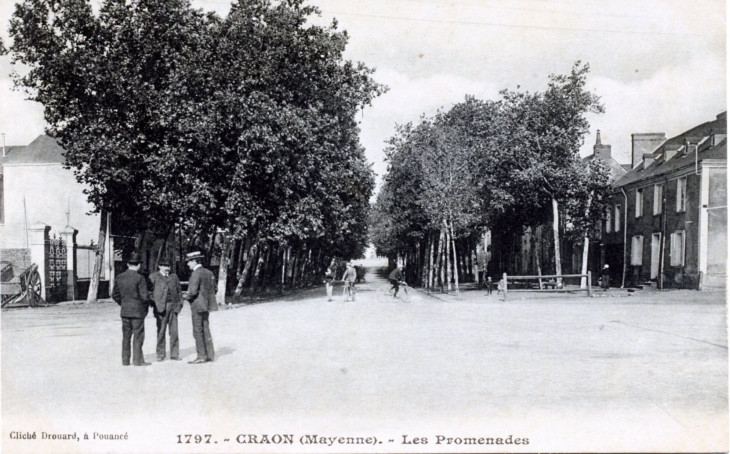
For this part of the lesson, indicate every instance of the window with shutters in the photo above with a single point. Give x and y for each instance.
(682, 194)
(676, 252)
(657, 199)
(639, 202)
(637, 249)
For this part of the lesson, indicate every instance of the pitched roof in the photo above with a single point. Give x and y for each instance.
(660, 167)
(617, 170)
(694, 135)
(43, 150)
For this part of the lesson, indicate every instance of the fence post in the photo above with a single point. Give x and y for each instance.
(590, 289)
(504, 293)
(39, 251)
(68, 234)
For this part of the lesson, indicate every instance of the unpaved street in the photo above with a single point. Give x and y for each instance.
(615, 373)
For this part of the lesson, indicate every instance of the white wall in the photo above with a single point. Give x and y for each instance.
(49, 191)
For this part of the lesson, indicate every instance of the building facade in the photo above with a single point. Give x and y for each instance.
(669, 226)
(45, 219)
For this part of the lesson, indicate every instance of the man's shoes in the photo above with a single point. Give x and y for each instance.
(125, 364)
(176, 358)
(198, 361)
(210, 360)
(161, 359)
(143, 364)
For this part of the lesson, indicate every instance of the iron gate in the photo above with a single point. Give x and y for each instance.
(57, 270)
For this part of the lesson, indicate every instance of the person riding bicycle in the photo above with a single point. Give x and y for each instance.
(349, 279)
(396, 277)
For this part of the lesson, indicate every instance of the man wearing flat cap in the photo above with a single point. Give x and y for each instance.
(131, 293)
(166, 293)
(201, 295)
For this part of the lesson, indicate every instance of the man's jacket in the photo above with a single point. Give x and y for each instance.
(130, 292)
(162, 286)
(201, 291)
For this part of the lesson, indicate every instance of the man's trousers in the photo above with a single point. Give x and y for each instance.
(166, 321)
(132, 328)
(203, 339)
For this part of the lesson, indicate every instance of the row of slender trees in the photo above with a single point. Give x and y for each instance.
(182, 122)
(503, 165)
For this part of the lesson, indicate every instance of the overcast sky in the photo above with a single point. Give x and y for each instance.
(658, 65)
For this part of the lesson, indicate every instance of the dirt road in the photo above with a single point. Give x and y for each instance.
(574, 374)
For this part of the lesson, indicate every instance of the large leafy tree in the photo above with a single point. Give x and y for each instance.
(505, 165)
(539, 140)
(170, 115)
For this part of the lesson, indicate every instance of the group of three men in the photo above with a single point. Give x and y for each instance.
(135, 294)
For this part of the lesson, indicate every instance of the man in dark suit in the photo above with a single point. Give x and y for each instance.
(166, 295)
(130, 292)
(201, 294)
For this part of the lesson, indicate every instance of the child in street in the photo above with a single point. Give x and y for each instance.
(500, 286)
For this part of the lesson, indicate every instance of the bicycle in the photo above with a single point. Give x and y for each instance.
(349, 291)
(403, 294)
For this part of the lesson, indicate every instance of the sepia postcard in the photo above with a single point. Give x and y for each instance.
(374, 226)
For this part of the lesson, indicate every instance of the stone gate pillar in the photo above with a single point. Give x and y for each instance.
(68, 235)
(39, 244)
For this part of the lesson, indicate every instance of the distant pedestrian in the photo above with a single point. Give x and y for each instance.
(605, 277)
(201, 295)
(490, 285)
(360, 272)
(131, 293)
(349, 278)
(395, 277)
(166, 293)
(329, 279)
(500, 286)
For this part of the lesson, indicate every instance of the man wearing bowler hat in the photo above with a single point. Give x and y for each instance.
(201, 294)
(131, 293)
(166, 295)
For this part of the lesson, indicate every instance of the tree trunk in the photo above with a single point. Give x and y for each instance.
(470, 264)
(284, 263)
(266, 269)
(586, 245)
(243, 256)
(438, 277)
(456, 263)
(236, 247)
(244, 273)
(220, 295)
(556, 239)
(430, 263)
(536, 256)
(584, 262)
(180, 246)
(256, 272)
(212, 245)
(294, 265)
(98, 259)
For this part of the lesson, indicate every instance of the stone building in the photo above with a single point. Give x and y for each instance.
(45, 219)
(669, 228)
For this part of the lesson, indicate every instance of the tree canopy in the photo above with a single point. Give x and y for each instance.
(171, 116)
(495, 165)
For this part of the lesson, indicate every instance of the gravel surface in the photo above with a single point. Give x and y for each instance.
(645, 372)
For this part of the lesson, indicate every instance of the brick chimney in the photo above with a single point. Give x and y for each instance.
(644, 143)
(601, 151)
